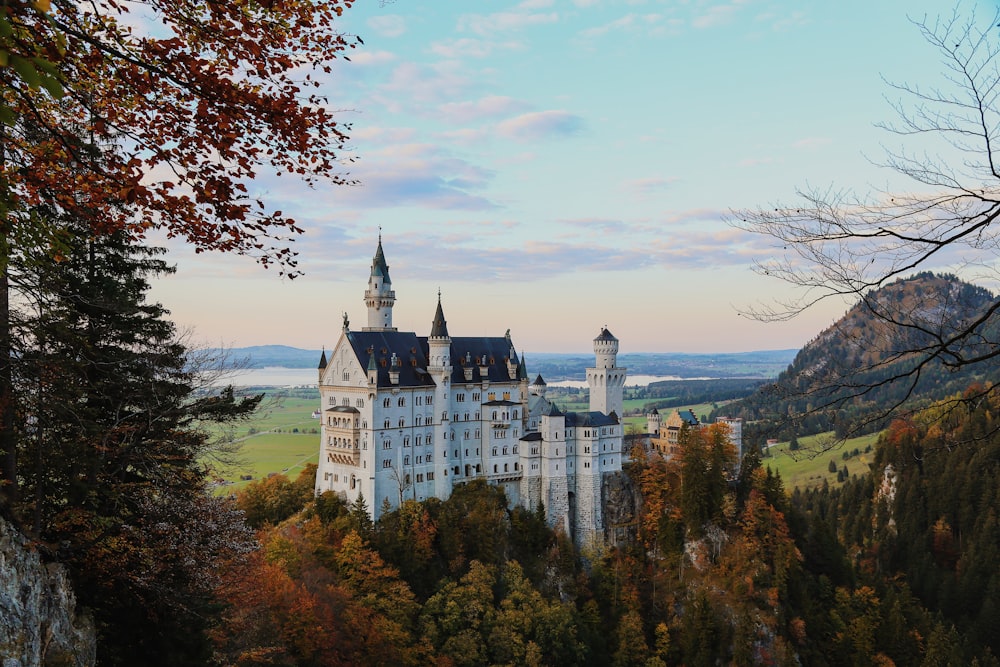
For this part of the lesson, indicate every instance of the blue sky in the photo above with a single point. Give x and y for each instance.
(555, 166)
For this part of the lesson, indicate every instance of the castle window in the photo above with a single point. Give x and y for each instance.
(477, 416)
(430, 439)
(406, 479)
(332, 400)
(430, 400)
(430, 476)
(347, 376)
(444, 416)
(419, 400)
(505, 451)
(360, 403)
(429, 458)
(420, 460)
(466, 435)
(505, 467)
(495, 469)
(406, 460)
(345, 401)
(455, 470)
(387, 463)
(506, 396)
(514, 413)
(492, 396)
(515, 466)
(420, 477)
(466, 416)
(386, 444)
(477, 434)
(479, 469)
(406, 441)
(402, 422)
(586, 464)
(515, 449)
(494, 451)
(460, 398)
(494, 414)
(385, 403)
(456, 416)
(386, 423)
(586, 450)
(401, 402)
(364, 423)
(419, 421)
(419, 439)
(475, 396)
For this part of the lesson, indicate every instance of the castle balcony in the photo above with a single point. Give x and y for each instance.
(348, 456)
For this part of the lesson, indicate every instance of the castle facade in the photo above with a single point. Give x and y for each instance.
(406, 416)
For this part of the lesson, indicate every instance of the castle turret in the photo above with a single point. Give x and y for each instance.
(379, 296)
(322, 364)
(653, 422)
(606, 380)
(439, 367)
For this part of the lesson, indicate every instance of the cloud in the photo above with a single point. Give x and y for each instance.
(651, 23)
(653, 184)
(383, 135)
(417, 175)
(535, 4)
(487, 25)
(491, 106)
(428, 83)
(468, 47)
(369, 58)
(718, 14)
(540, 125)
(755, 161)
(812, 142)
(388, 25)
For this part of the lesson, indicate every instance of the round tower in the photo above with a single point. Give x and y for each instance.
(606, 380)
(379, 296)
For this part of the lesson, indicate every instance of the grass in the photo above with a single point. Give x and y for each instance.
(269, 442)
(808, 467)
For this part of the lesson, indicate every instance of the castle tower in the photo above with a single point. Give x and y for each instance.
(606, 380)
(440, 368)
(379, 296)
(653, 423)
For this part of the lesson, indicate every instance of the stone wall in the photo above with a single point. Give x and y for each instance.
(39, 625)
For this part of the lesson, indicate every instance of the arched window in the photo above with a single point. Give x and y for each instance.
(402, 401)
(406, 460)
(402, 422)
(385, 403)
(386, 423)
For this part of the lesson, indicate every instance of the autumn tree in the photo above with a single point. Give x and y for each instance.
(128, 129)
(834, 244)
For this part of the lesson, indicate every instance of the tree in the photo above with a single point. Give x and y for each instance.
(835, 244)
(126, 131)
(114, 438)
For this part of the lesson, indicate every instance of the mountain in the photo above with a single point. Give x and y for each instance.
(555, 367)
(878, 356)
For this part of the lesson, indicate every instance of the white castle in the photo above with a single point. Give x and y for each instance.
(410, 417)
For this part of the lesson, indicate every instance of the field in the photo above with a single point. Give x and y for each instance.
(281, 438)
(809, 465)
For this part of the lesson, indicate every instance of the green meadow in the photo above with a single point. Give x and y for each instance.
(282, 437)
(809, 466)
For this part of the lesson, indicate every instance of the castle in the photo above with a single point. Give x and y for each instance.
(410, 417)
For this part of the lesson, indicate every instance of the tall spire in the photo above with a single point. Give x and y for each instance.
(439, 328)
(379, 296)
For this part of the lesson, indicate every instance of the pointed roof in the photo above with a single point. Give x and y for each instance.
(605, 335)
(522, 368)
(538, 381)
(322, 359)
(371, 362)
(551, 411)
(379, 267)
(439, 328)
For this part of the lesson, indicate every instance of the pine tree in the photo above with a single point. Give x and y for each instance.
(114, 442)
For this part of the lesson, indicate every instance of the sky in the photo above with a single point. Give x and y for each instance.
(557, 166)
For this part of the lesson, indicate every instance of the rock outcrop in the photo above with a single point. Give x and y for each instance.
(39, 625)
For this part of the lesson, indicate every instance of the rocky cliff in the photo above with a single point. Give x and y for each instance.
(38, 620)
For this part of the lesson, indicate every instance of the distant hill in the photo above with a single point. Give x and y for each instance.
(555, 367)
(838, 381)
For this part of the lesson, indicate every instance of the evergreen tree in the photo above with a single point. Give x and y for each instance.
(113, 433)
